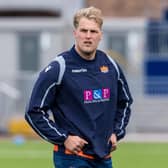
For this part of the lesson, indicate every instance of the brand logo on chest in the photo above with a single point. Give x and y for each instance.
(79, 70)
(97, 95)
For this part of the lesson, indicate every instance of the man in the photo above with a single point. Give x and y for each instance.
(88, 96)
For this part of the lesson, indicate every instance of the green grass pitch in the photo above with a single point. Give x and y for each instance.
(38, 154)
(31, 154)
(141, 155)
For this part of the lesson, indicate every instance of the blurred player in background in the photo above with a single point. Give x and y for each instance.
(88, 96)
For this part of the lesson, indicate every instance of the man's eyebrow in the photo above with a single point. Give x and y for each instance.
(87, 29)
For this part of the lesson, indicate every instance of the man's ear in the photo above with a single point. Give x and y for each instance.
(74, 32)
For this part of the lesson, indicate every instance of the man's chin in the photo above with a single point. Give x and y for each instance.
(88, 51)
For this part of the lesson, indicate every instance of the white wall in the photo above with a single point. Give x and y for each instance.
(51, 4)
(66, 7)
(134, 30)
(70, 7)
(9, 49)
(8, 57)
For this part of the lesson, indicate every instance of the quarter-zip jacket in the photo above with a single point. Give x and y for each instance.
(90, 99)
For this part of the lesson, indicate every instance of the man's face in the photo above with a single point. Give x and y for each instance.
(87, 36)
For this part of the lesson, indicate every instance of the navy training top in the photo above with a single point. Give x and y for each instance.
(90, 99)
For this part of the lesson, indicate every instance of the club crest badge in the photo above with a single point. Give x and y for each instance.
(104, 69)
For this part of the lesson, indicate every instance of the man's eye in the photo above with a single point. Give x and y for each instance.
(83, 30)
(93, 31)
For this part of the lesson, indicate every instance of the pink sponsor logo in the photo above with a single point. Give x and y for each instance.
(88, 95)
(98, 95)
(106, 93)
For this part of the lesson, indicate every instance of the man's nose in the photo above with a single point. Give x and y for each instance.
(88, 34)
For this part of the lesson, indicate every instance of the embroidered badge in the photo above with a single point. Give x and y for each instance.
(104, 69)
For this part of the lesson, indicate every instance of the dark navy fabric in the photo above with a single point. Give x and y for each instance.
(90, 99)
(62, 160)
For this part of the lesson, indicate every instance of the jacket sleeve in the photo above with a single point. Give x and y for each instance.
(124, 101)
(41, 102)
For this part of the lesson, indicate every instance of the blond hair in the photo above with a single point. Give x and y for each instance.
(90, 13)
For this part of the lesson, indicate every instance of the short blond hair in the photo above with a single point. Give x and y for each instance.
(89, 13)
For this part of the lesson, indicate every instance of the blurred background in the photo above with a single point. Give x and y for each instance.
(32, 33)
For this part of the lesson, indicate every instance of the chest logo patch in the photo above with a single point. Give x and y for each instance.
(104, 69)
(97, 95)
